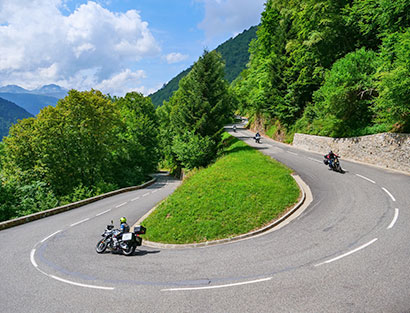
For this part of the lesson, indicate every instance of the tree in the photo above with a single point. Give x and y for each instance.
(343, 104)
(65, 146)
(393, 106)
(202, 104)
(137, 153)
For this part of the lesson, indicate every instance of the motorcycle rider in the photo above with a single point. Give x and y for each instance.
(124, 228)
(257, 137)
(234, 128)
(331, 158)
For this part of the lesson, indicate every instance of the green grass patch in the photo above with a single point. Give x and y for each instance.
(242, 191)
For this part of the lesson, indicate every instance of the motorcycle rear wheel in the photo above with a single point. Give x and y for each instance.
(130, 250)
(101, 246)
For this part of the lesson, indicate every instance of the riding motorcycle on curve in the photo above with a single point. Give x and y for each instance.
(257, 138)
(332, 160)
(117, 241)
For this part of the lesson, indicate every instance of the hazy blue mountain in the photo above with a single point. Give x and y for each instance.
(32, 103)
(9, 114)
(33, 100)
(235, 54)
(13, 89)
(51, 90)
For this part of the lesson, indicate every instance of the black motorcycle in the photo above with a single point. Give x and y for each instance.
(117, 241)
(334, 165)
(257, 139)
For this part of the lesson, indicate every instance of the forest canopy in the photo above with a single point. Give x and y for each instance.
(334, 68)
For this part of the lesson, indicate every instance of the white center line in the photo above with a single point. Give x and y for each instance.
(50, 236)
(348, 253)
(292, 152)
(391, 196)
(120, 205)
(368, 179)
(219, 286)
(145, 194)
(155, 191)
(84, 220)
(396, 215)
(315, 160)
(103, 212)
(135, 199)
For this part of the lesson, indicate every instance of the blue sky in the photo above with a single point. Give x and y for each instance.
(113, 45)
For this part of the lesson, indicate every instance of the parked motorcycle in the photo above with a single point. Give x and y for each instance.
(116, 241)
(335, 164)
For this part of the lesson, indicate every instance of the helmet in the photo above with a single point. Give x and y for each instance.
(123, 220)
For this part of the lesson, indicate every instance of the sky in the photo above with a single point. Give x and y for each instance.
(114, 46)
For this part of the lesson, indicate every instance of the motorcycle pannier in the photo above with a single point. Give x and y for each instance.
(140, 230)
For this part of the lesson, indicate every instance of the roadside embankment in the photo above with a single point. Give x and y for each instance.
(386, 150)
(64, 208)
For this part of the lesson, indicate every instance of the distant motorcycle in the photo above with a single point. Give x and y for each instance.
(257, 138)
(334, 164)
(234, 128)
(116, 241)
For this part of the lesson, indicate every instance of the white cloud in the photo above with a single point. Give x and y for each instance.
(91, 46)
(122, 83)
(175, 57)
(230, 16)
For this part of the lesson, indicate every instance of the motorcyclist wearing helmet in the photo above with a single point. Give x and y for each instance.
(331, 157)
(257, 137)
(124, 228)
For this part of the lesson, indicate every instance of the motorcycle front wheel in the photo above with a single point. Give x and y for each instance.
(129, 250)
(101, 246)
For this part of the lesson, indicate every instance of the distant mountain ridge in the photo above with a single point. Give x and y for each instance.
(33, 100)
(10, 113)
(235, 54)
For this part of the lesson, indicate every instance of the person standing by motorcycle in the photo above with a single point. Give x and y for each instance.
(330, 157)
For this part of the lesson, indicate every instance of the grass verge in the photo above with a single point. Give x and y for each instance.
(242, 191)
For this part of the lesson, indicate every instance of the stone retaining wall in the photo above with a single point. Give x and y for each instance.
(386, 150)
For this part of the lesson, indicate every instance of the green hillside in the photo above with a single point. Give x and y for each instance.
(235, 54)
(9, 114)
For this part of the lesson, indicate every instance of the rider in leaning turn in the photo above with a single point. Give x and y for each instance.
(330, 157)
(124, 228)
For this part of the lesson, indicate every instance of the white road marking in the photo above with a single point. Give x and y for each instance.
(81, 285)
(145, 194)
(391, 196)
(292, 152)
(396, 215)
(32, 258)
(368, 179)
(58, 231)
(120, 205)
(84, 220)
(135, 199)
(103, 212)
(315, 160)
(219, 286)
(154, 191)
(348, 253)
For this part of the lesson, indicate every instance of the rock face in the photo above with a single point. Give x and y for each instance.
(386, 150)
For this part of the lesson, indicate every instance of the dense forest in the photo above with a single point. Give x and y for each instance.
(234, 53)
(334, 68)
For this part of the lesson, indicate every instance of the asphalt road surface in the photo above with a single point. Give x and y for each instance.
(349, 251)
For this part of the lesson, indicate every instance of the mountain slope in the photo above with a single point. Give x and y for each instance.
(9, 114)
(235, 54)
(32, 103)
